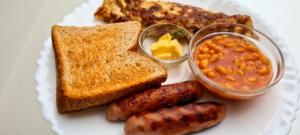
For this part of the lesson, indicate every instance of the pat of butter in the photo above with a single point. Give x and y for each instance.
(166, 48)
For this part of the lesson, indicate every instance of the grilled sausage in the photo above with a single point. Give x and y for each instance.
(153, 99)
(179, 120)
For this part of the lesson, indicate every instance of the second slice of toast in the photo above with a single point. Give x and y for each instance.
(98, 64)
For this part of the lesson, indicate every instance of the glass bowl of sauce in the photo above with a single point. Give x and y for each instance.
(235, 61)
(165, 43)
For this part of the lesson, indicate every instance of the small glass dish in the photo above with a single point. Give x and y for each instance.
(152, 34)
(262, 41)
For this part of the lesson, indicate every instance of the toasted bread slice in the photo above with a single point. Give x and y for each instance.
(98, 64)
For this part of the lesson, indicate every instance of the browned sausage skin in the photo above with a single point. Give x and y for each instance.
(152, 99)
(179, 120)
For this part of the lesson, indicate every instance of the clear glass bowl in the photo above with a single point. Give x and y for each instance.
(262, 41)
(152, 33)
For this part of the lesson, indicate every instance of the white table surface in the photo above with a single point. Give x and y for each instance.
(25, 24)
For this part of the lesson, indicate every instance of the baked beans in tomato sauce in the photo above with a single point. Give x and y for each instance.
(233, 62)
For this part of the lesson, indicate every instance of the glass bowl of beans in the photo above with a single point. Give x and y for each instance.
(235, 61)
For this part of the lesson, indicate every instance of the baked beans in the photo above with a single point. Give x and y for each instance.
(233, 62)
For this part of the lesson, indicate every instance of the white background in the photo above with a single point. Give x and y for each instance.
(24, 25)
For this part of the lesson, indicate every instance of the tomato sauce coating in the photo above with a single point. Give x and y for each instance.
(233, 62)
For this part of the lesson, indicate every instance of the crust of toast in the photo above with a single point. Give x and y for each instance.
(75, 91)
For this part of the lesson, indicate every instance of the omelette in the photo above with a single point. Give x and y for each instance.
(153, 12)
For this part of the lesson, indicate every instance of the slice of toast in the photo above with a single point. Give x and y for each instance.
(98, 64)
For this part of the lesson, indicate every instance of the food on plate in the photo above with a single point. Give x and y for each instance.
(98, 64)
(233, 62)
(153, 12)
(179, 120)
(166, 48)
(153, 99)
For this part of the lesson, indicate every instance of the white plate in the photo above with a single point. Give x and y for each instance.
(271, 114)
